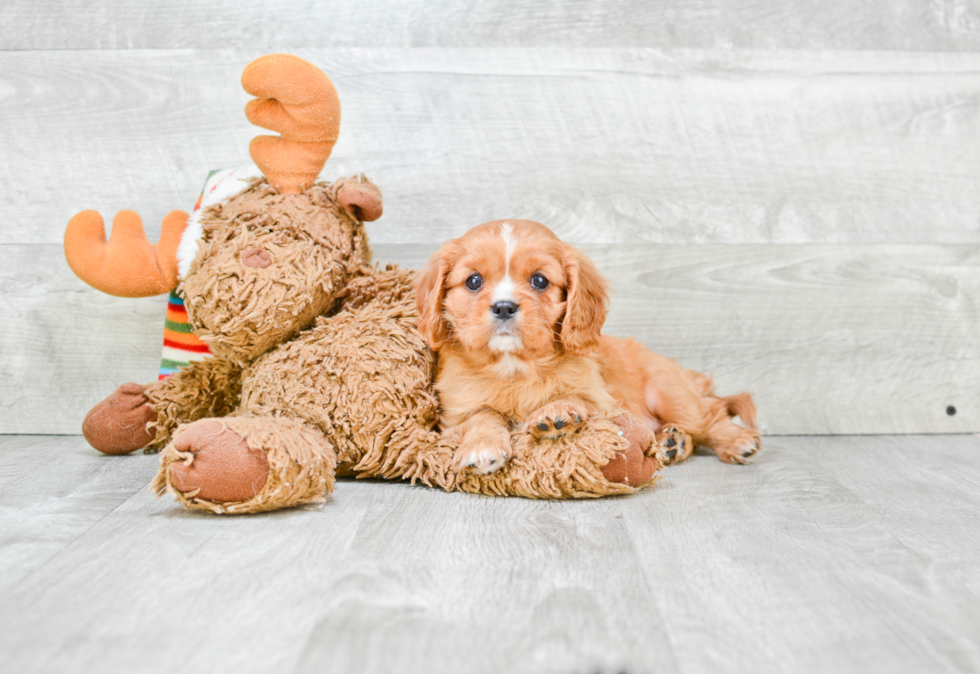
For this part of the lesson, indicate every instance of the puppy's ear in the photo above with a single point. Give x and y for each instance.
(430, 291)
(586, 304)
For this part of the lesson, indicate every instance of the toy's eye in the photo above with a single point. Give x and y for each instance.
(539, 282)
(474, 282)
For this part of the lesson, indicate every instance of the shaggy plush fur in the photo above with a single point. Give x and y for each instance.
(314, 247)
(296, 466)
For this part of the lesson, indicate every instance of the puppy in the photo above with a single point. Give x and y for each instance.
(516, 318)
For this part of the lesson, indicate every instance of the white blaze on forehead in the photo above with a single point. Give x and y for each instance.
(504, 292)
(510, 243)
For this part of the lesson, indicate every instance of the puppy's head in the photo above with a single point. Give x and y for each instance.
(511, 286)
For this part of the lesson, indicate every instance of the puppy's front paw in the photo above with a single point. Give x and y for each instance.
(556, 420)
(482, 456)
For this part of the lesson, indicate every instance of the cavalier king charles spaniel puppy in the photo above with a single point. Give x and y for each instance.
(516, 318)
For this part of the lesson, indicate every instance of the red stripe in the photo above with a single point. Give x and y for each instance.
(203, 348)
(176, 308)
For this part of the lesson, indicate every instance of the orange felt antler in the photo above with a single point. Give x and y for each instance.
(296, 99)
(127, 265)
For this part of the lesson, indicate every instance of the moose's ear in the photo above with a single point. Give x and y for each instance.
(361, 198)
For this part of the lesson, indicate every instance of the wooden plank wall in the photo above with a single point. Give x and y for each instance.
(784, 194)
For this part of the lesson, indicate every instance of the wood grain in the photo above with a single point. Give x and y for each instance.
(941, 25)
(829, 339)
(842, 519)
(65, 346)
(825, 554)
(51, 492)
(609, 146)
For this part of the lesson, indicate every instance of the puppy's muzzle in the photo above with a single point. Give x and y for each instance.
(504, 311)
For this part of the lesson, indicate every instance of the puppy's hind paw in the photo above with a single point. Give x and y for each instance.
(672, 444)
(741, 451)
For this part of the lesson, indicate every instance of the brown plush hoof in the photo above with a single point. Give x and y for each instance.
(117, 425)
(632, 466)
(223, 468)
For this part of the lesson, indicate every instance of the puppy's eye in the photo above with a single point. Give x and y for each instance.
(474, 282)
(539, 282)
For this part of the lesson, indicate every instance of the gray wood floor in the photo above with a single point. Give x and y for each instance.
(843, 554)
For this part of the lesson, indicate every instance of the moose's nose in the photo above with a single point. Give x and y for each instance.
(257, 258)
(504, 310)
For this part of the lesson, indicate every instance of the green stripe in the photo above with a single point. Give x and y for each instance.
(183, 328)
(173, 364)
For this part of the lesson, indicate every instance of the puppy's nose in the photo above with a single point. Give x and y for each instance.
(504, 310)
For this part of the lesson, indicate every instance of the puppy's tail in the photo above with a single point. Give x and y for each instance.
(741, 406)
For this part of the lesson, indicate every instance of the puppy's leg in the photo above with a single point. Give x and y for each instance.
(684, 406)
(557, 419)
(731, 442)
(672, 405)
(484, 444)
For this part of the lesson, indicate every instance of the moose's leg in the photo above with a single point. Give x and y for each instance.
(120, 423)
(206, 388)
(136, 416)
(246, 465)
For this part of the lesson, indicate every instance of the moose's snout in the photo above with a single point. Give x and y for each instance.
(504, 310)
(257, 258)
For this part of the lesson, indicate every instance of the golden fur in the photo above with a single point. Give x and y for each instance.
(549, 367)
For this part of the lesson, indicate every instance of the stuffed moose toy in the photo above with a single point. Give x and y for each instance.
(316, 366)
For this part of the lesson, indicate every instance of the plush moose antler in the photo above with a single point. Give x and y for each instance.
(127, 265)
(296, 99)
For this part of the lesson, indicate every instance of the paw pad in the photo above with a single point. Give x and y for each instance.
(675, 444)
(555, 420)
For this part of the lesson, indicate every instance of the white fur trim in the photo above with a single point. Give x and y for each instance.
(508, 366)
(221, 186)
(505, 343)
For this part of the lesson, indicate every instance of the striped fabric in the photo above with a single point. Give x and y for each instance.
(180, 345)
